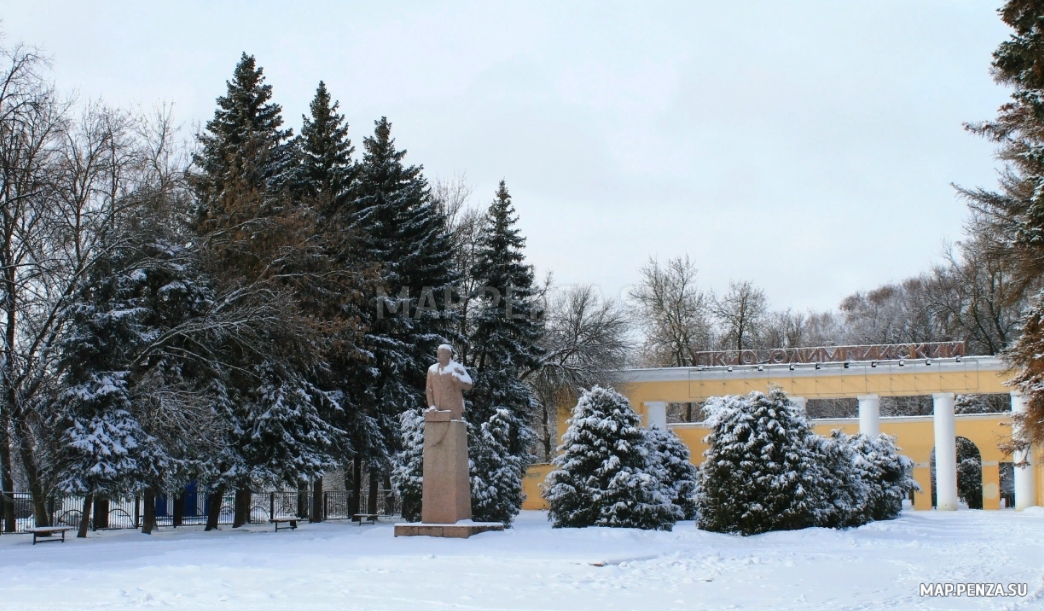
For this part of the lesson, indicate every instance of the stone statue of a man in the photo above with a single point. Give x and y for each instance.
(447, 379)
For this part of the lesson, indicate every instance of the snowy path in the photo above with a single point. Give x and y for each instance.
(532, 567)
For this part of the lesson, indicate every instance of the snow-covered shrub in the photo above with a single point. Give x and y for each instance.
(496, 472)
(887, 474)
(604, 475)
(678, 474)
(762, 471)
(767, 470)
(849, 490)
(408, 467)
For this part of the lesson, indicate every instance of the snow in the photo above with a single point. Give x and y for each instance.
(532, 566)
(453, 368)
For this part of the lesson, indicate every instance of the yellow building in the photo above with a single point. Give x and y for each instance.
(649, 391)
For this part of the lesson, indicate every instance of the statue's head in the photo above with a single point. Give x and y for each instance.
(445, 354)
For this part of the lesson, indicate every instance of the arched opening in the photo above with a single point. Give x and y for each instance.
(969, 474)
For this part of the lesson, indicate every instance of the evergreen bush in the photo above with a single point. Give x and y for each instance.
(605, 475)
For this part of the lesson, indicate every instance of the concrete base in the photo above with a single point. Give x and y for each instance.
(454, 531)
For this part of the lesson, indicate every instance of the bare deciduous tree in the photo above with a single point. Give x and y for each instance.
(975, 298)
(585, 340)
(673, 313)
(464, 221)
(742, 313)
(62, 180)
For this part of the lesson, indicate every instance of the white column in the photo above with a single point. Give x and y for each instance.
(870, 415)
(656, 414)
(801, 403)
(945, 452)
(1025, 490)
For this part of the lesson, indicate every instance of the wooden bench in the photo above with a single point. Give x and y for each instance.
(291, 521)
(361, 517)
(44, 532)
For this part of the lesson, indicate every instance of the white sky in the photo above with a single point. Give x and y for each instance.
(806, 146)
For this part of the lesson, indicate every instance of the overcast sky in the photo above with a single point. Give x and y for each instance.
(807, 146)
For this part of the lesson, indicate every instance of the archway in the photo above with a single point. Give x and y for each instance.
(969, 473)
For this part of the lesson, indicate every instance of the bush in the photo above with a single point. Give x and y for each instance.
(762, 471)
(767, 470)
(678, 475)
(605, 475)
(408, 467)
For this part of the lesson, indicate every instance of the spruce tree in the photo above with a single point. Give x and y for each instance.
(496, 487)
(605, 475)
(504, 346)
(337, 274)
(244, 151)
(325, 170)
(404, 233)
(128, 355)
(849, 487)
(888, 475)
(762, 471)
(408, 472)
(259, 244)
(678, 473)
(1010, 220)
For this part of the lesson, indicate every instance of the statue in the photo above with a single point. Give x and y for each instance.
(446, 490)
(447, 379)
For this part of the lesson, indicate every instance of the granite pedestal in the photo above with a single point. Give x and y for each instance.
(446, 492)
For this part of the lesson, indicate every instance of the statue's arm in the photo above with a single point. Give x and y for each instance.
(460, 375)
(429, 391)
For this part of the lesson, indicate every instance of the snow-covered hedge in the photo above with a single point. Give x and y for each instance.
(767, 470)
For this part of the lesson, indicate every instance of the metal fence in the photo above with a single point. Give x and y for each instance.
(128, 512)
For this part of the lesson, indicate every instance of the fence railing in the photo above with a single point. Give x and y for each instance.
(128, 512)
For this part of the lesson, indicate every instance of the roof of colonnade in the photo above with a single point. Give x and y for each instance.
(821, 379)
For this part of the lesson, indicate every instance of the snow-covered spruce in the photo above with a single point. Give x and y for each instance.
(408, 467)
(605, 475)
(888, 475)
(767, 470)
(847, 491)
(678, 474)
(762, 471)
(403, 231)
(496, 471)
(504, 346)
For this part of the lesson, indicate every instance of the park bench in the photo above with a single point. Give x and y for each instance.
(361, 517)
(46, 531)
(291, 521)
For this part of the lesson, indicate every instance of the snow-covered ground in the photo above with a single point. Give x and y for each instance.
(344, 566)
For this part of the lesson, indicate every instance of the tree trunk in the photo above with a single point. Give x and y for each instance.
(317, 500)
(177, 515)
(547, 432)
(354, 503)
(371, 501)
(101, 513)
(81, 531)
(302, 499)
(217, 496)
(389, 495)
(688, 412)
(7, 505)
(148, 518)
(242, 507)
(32, 473)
